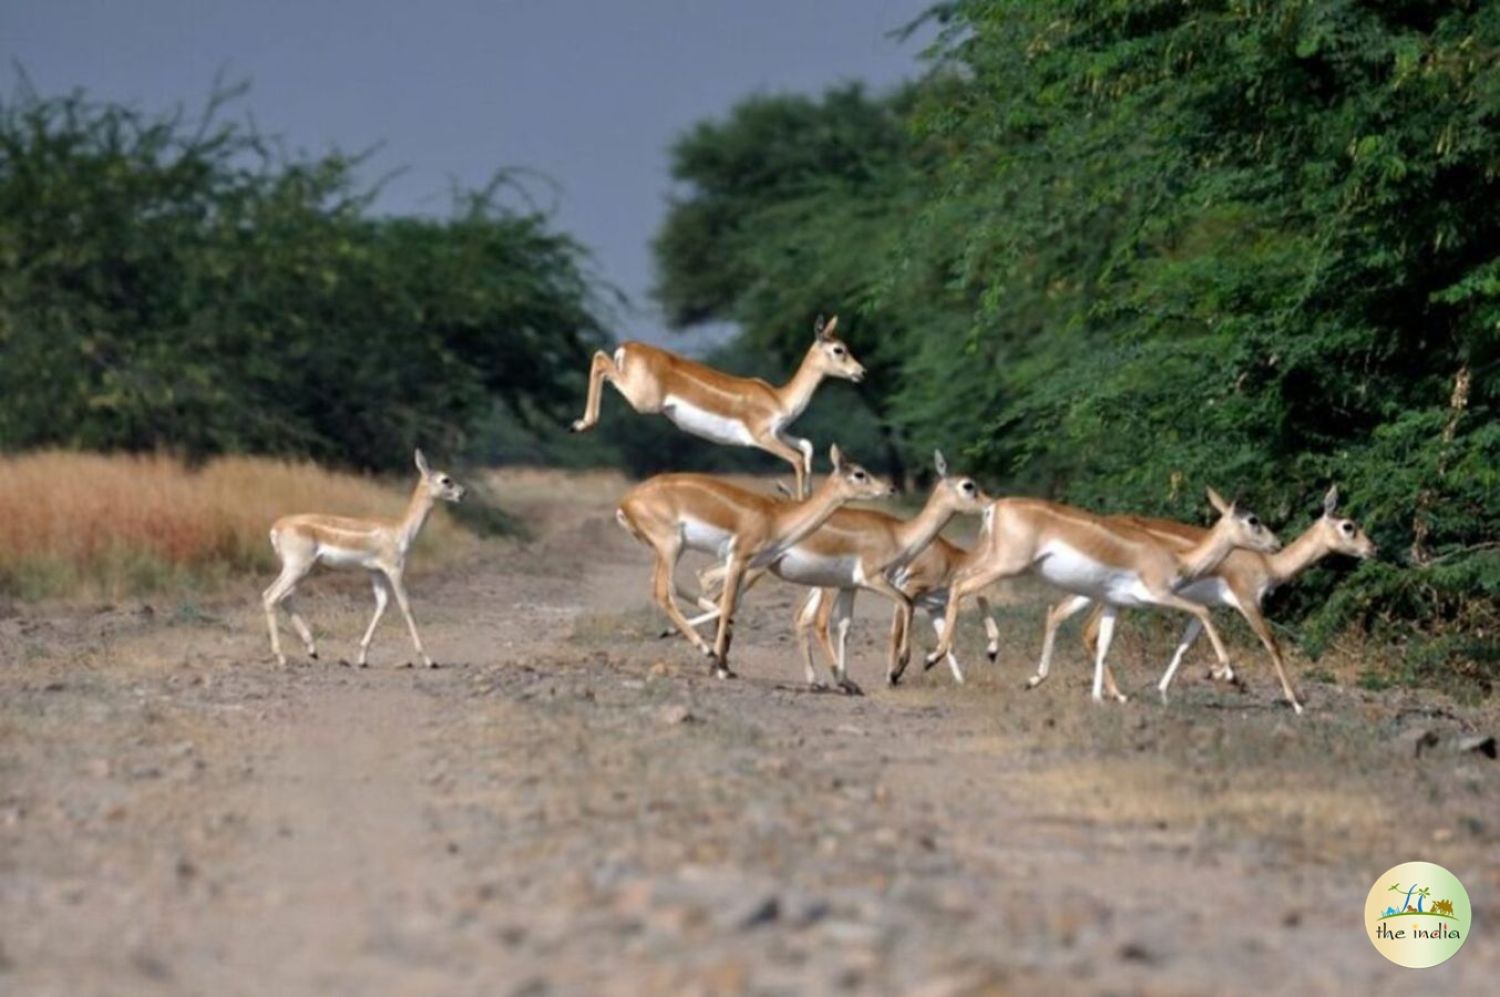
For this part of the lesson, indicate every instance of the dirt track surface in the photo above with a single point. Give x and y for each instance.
(571, 805)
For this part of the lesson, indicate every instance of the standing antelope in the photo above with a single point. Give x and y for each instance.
(379, 546)
(741, 411)
(867, 549)
(677, 512)
(1242, 582)
(1117, 564)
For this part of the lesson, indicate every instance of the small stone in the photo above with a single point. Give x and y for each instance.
(1481, 745)
(675, 713)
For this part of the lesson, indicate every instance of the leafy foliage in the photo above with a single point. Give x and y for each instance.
(1128, 249)
(169, 285)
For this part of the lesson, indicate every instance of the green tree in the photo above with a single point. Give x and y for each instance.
(167, 284)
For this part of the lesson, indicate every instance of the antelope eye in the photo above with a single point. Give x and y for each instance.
(1253, 521)
(969, 487)
(838, 351)
(1348, 528)
(859, 475)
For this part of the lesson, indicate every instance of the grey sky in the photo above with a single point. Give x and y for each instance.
(589, 92)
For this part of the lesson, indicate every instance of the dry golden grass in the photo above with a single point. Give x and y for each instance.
(109, 526)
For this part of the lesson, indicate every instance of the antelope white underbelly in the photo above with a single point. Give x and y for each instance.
(342, 557)
(1074, 571)
(804, 568)
(1209, 591)
(706, 537)
(709, 425)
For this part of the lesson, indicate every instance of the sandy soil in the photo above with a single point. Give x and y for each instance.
(572, 805)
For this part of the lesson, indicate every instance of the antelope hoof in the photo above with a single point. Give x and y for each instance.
(433, 664)
(1296, 707)
(312, 653)
(993, 655)
(724, 672)
(665, 633)
(893, 679)
(579, 426)
(816, 686)
(849, 688)
(931, 660)
(958, 678)
(405, 665)
(1120, 697)
(344, 663)
(1035, 681)
(1164, 700)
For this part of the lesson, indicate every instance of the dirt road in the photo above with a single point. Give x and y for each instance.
(571, 805)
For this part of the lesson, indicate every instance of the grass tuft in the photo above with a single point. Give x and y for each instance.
(93, 526)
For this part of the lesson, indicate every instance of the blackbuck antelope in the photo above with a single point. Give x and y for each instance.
(748, 530)
(866, 549)
(741, 411)
(1242, 583)
(925, 582)
(1111, 562)
(377, 545)
(869, 549)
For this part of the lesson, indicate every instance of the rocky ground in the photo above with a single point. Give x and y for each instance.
(571, 805)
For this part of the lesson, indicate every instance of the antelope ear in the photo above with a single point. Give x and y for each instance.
(835, 456)
(1217, 501)
(939, 463)
(823, 331)
(422, 463)
(1330, 500)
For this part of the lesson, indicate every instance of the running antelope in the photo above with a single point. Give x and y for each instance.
(740, 411)
(379, 546)
(677, 512)
(925, 581)
(1242, 583)
(867, 549)
(1114, 563)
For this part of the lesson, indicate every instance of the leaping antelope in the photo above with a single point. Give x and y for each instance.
(1242, 583)
(867, 549)
(1111, 562)
(677, 512)
(741, 411)
(377, 545)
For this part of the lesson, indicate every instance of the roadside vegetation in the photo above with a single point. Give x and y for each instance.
(91, 526)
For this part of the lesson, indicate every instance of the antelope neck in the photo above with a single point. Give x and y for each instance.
(797, 392)
(1297, 556)
(417, 511)
(916, 533)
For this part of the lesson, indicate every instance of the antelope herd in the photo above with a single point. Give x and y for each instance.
(811, 538)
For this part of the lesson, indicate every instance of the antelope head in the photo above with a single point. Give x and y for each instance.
(1242, 527)
(437, 483)
(830, 356)
(1340, 535)
(959, 491)
(854, 482)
